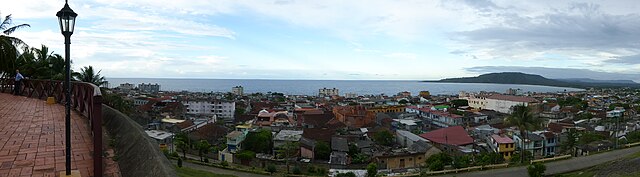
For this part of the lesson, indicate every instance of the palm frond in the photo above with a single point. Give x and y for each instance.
(6, 22)
(12, 29)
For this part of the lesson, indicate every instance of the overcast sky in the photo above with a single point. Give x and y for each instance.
(337, 39)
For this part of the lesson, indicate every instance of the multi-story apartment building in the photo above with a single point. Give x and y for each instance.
(126, 86)
(220, 108)
(237, 90)
(328, 92)
(534, 144)
(149, 88)
(496, 102)
(550, 143)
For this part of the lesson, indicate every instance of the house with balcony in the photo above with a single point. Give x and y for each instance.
(503, 145)
(550, 142)
(442, 118)
(534, 143)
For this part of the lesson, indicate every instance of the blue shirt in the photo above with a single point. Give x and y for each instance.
(19, 77)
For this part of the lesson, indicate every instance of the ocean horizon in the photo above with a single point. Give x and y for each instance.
(310, 87)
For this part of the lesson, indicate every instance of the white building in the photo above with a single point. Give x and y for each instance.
(503, 103)
(350, 95)
(496, 102)
(222, 109)
(328, 92)
(149, 88)
(126, 86)
(477, 101)
(140, 101)
(237, 90)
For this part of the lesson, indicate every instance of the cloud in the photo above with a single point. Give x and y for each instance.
(579, 31)
(632, 59)
(557, 73)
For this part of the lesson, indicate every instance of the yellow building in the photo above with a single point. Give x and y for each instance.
(425, 94)
(503, 145)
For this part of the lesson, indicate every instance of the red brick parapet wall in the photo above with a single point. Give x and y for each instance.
(86, 99)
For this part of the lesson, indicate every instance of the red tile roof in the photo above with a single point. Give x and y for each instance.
(502, 139)
(455, 135)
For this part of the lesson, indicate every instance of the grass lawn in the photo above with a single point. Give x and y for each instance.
(189, 172)
(577, 174)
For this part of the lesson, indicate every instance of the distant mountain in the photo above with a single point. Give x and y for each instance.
(532, 79)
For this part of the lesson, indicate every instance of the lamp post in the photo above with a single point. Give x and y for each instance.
(50, 78)
(67, 19)
(50, 99)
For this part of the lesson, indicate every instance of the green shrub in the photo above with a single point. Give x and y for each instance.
(311, 169)
(536, 170)
(180, 162)
(296, 170)
(271, 168)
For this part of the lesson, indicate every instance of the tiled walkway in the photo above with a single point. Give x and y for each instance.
(32, 138)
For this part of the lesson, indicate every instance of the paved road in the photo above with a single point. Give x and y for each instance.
(557, 167)
(219, 170)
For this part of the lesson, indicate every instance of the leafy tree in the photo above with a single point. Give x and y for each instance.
(259, 142)
(633, 136)
(246, 155)
(588, 137)
(372, 170)
(490, 158)
(462, 161)
(203, 148)
(569, 101)
(623, 105)
(459, 102)
(518, 157)
(288, 151)
(9, 46)
(403, 101)
(182, 143)
(353, 149)
(536, 170)
(438, 161)
(360, 158)
(383, 138)
(296, 170)
(322, 150)
(87, 74)
(584, 115)
(523, 118)
(570, 143)
(239, 111)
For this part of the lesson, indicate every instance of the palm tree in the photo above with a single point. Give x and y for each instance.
(87, 74)
(9, 45)
(523, 118)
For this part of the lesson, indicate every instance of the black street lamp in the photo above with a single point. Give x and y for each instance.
(67, 19)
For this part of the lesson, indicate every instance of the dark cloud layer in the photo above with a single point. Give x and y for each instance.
(632, 59)
(557, 73)
(580, 27)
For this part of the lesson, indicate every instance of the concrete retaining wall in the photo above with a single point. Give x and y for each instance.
(138, 154)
